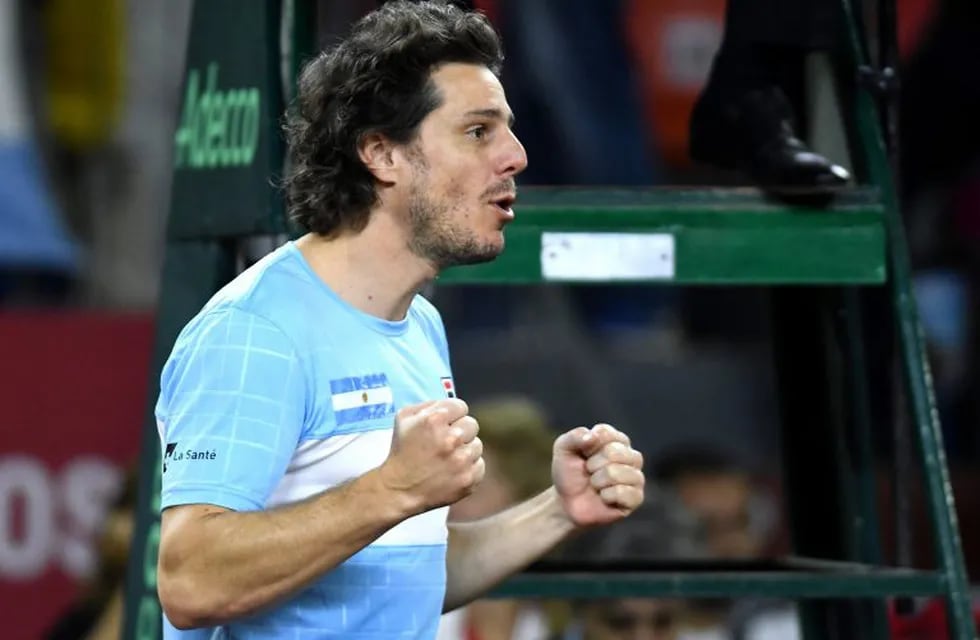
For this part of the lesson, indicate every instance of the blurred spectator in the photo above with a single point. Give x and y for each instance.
(625, 619)
(940, 134)
(81, 98)
(940, 182)
(98, 612)
(736, 521)
(517, 442)
(81, 87)
(103, 79)
(37, 258)
(83, 60)
(660, 530)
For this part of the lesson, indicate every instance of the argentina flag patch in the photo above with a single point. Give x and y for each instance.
(361, 398)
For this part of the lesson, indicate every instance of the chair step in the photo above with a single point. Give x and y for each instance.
(801, 578)
(686, 236)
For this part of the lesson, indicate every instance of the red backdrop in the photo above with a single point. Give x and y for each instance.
(72, 392)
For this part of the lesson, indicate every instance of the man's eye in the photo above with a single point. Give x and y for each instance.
(477, 133)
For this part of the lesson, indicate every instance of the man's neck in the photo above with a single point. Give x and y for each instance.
(372, 271)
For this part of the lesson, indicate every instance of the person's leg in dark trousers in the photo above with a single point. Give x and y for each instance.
(746, 117)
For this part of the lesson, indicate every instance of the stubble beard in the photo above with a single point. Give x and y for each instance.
(433, 236)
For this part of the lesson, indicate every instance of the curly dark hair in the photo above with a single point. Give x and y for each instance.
(376, 80)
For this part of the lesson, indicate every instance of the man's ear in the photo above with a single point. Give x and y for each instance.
(378, 154)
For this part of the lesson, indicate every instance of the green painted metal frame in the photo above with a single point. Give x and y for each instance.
(722, 236)
(821, 469)
(872, 583)
(915, 364)
(731, 213)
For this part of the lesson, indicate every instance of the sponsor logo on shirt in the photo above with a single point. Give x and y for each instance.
(168, 454)
(172, 454)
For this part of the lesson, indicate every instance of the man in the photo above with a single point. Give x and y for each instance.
(660, 531)
(312, 435)
(736, 521)
(734, 517)
(626, 619)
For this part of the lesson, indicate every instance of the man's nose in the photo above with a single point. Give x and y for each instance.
(514, 159)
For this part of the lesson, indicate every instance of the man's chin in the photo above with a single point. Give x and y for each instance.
(482, 255)
(490, 252)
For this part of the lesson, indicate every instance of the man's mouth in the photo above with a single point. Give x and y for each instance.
(505, 202)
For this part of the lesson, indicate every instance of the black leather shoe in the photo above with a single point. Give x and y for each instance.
(753, 133)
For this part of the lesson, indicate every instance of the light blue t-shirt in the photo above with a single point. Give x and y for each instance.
(278, 390)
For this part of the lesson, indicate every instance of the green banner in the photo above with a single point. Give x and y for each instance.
(227, 145)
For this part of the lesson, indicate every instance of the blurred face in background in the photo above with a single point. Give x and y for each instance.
(631, 619)
(722, 504)
(117, 532)
(494, 494)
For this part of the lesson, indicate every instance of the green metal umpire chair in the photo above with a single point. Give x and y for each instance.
(834, 273)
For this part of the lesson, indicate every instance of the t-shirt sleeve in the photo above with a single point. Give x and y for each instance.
(435, 328)
(231, 410)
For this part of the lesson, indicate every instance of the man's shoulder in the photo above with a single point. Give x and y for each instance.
(425, 311)
(269, 293)
(429, 320)
(275, 281)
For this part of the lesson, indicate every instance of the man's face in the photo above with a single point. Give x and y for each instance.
(631, 619)
(721, 502)
(464, 163)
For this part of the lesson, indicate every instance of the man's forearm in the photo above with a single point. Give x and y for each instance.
(482, 553)
(237, 563)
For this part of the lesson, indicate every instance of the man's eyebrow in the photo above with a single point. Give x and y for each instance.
(492, 113)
